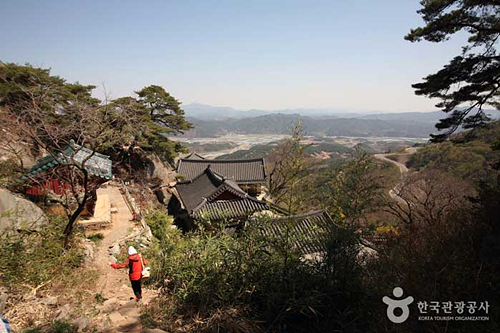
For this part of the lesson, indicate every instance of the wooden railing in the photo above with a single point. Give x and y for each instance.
(135, 209)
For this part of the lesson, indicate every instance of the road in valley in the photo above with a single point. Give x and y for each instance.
(402, 168)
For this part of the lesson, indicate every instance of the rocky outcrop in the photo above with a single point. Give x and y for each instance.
(163, 194)
(161, 169)
(81, 324)
(18, 214)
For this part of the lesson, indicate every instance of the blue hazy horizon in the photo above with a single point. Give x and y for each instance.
(242, 54)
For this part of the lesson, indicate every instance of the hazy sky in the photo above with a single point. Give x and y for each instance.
(347, 54)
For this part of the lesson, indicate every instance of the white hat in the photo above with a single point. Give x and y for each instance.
(131, 250)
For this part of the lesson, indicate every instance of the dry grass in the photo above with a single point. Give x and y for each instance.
(159, 313)
(76, 289)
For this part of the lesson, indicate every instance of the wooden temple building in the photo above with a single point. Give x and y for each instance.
(44, 178)
(249, 174)
(309, 231)
(226, 190)
(217, 190)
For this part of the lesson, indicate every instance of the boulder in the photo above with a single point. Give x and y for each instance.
(163, 195)
(108, 328)
(160, 169)
(102, 324)
(88, 252)
(17, 213)
(110, 304)
(81, 323)
(63, 312)
(116, 318)
(131, 311)
(48, 300)
(114, 249)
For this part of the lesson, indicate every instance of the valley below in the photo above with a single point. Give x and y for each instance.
(259, 145)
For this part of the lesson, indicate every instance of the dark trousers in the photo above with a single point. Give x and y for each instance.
(136, 286)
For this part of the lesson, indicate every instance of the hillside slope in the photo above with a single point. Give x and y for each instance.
(470, 155)
(281, 124)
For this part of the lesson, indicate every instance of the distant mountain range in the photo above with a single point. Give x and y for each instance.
(282, 123)
(209, 112)
(212, 121)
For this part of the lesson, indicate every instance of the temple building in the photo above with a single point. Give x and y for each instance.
(211, 196)
(226, 190)
(46, 178)
(308, 232)
(249, 174)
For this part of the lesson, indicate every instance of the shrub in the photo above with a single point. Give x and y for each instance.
(57, 326)
(33, 330)
(217, 280)
(61, 326)
(10, 170)
(34, 258)
(96, 238)
(99, 298)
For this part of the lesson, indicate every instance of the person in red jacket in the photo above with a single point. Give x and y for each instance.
(135, 264)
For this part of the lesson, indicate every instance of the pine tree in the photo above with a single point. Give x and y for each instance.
(471, 81)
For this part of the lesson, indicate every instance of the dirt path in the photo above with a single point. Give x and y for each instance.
(120, 313)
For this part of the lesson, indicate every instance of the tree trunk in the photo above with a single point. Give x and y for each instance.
(81, 206)
(72, 219)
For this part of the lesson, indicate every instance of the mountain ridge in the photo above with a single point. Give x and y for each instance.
(278, 123)
(212, 121)
(211, 112)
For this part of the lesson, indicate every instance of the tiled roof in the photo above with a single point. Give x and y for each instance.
(241, 171)
(200, 197)
(307, 232)
(192, 192)
(97, 165)
(229, 209)
(194, 156)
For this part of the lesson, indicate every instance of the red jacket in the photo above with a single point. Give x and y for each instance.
(134, 266)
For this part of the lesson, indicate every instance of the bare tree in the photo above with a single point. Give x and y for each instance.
(70, 136)
(291, 169)
(428, 198)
